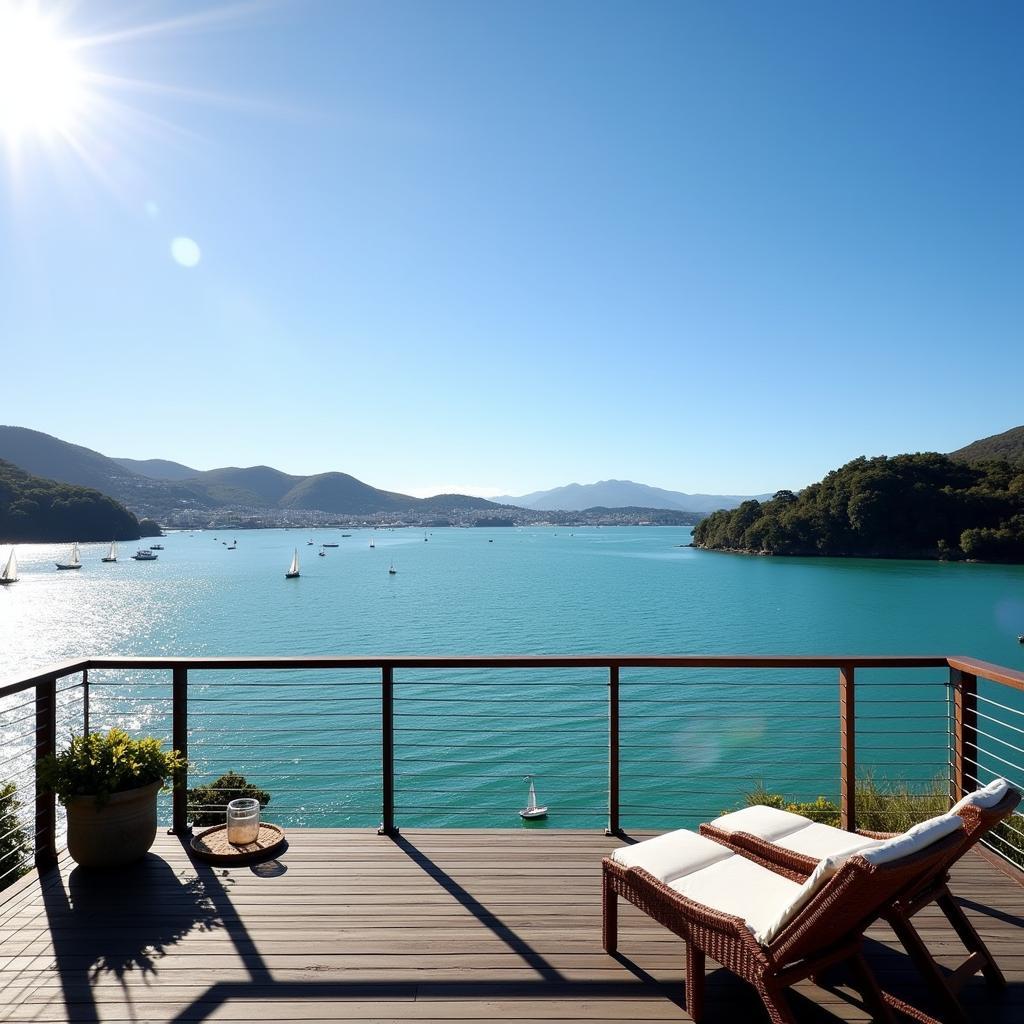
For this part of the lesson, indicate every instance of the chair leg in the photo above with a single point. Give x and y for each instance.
(933, 975)
(775, 1002)
(969, 936)
(867, 985)
(694, 981)
(609, 916)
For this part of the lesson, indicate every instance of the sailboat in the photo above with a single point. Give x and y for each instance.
(10, 573)
(293, 571)
(392, 571)
(372, 545)
(531, 810)
(111, 555)
(74, 562)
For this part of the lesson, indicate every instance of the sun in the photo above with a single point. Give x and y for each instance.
(42, 86)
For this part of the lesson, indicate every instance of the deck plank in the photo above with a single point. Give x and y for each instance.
(437, 926)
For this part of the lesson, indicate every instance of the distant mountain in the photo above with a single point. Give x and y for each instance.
(622, 494)
(157, 469)
(254, 487)
(1008, 445)
(339, 492)
(36, 510)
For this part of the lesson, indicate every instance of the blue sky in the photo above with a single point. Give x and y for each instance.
(709, 246)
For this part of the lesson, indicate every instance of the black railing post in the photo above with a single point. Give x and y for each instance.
(46, 803)
(847, 750)
(85, 702)
(614, 826)
(387, 751)
(179, 740)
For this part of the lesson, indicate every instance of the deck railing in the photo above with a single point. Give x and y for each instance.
(975, 710)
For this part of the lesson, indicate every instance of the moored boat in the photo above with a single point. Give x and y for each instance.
(531, 810)
(74, 559)
(10, 573)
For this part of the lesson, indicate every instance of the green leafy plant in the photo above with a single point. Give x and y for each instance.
(101, 765)
(14, 843)
(208, 803)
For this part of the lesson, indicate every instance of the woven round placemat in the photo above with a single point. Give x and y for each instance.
(213, 846)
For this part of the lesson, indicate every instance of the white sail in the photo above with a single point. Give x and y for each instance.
(295, 562)
(75, 557)
(112, 553)
(10, 573)
(531, 803)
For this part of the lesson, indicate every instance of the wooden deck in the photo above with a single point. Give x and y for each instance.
(443, 925)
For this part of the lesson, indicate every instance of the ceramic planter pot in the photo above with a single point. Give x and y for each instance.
(119, 832)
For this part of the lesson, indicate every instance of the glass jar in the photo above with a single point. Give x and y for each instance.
(243, 821)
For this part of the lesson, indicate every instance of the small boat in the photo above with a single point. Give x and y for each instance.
(231, 547)
(111, 555)
(145, 555)
(328, 545)
(531, 810)
(1020, 638)
(309, 543)
(322, 553)
(293, 569)
(346, 535)
(74, 561)
(10, 573)
(156, 547)
(372, 545)
(392, 571)
(425, 538)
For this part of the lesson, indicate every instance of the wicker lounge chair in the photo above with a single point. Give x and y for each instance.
(792, 844)
(763, 924)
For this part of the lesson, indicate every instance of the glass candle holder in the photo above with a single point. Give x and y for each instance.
(243, 821)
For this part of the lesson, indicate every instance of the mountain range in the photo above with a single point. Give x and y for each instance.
(621, 494)
(136, 484)
(155, 487)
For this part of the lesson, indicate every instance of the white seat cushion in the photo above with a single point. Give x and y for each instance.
(709, 873)
(744, 889)
(919, 837)
(674, 854)
(986, 797)
(768, 823)
(817, 841)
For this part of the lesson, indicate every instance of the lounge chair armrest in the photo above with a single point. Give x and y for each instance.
(794, 866)
(868, 834)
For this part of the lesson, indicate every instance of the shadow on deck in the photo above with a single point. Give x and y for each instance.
(430, 926)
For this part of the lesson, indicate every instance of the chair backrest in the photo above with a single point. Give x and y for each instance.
(858, 894)
(980, 820)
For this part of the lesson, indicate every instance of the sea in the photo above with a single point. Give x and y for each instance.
(693, 742)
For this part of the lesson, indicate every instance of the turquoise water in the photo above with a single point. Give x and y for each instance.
(693, 742)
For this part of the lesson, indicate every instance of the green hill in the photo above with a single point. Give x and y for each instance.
(339, 492)
(907, 506)
(35, 510)
(1008, 445)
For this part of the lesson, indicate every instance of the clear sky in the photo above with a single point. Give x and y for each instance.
(710, 246)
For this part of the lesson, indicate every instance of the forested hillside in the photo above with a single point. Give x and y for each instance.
(906, 506)
(34, 510)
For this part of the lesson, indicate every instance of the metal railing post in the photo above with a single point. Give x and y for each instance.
(85, 702)
(179, 740)
(847, 749)
(387, 751)
(614, 826)
(965, 731)
(46, 801)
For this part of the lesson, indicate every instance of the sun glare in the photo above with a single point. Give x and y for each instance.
(42, 88)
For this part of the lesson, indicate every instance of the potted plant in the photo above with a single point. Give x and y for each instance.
(109, 783)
